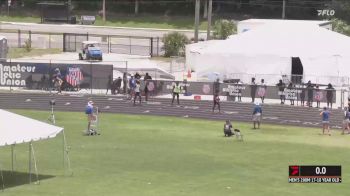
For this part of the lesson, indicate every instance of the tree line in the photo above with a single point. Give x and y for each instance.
(238, 9)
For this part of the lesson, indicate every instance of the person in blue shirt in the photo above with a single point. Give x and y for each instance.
(89, 111)
(132, 86)
(257, 112)
(325, 120)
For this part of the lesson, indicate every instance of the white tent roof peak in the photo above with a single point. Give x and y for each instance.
(17, 129)
(284, 40)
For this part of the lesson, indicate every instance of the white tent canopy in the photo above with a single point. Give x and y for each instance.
(17, 129)
(268, 51)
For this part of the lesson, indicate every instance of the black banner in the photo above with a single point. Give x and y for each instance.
(41, 75)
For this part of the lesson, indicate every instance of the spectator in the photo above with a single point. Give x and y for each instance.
(216, 86)
(137, 91)
(240, 84)
(114, 87)
(125, 83)
(290, 87)
(262, 90)
(176, 92)
(216, 100)
(118, 84)
(281, 86)
(346, 120)
(109, 83)
(57, 80)
(137, 76)
(257, 112)
(132, 85)
(318, 96)
(146, 79)
(253, 88)
(310, 93)
(228, 129)
(329, 95)
(325, 120)
(302, 95)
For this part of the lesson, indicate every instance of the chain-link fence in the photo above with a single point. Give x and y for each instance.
(72, 42)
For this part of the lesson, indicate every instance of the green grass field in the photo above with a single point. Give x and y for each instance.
(22, 52)
(159, 156)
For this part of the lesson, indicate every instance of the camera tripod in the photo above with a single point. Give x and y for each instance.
(52, 116)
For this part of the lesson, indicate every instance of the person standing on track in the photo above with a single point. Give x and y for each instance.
(176, 93)
(137, 91)
(216, 100)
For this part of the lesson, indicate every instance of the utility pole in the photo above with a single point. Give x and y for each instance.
(210, 8)
(205, 12)
(196, 20)
(284, 9)
(104, 10)
(136, 7)
(8, 7)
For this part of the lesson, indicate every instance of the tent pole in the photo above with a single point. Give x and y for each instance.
(32, 156)
(30, 163)
(35, 166)
(2, 180)
(65, 155)
(12, 156)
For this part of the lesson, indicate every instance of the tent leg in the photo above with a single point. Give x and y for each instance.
(66, 160)
(30, 163)
(32, 154)
(2, 180)
(12, 156)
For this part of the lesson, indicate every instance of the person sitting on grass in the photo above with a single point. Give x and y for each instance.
(257, 112)
(228, 129)
(325, 120)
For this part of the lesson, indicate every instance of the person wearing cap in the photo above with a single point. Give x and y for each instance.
(89, 111)
(257, 112)
(325, 120)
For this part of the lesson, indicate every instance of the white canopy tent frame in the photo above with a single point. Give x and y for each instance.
(268, 50)
(12, 136)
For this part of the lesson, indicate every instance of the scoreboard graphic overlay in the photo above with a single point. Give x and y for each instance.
(315, 174)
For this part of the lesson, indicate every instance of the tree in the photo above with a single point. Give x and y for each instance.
(223, 29)
(174, 44)
(341, 26)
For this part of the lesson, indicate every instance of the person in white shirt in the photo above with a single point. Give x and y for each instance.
(137, 91)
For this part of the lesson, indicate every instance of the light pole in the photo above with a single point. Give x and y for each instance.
(104, 10)
(196, 20)
(210, 8)
(284, 9)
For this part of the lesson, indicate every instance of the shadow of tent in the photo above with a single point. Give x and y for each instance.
(13, 179)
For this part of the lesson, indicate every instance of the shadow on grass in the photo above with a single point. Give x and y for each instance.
(13, 179)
